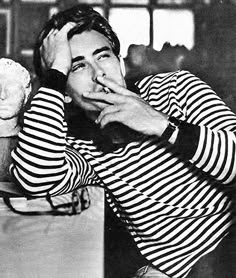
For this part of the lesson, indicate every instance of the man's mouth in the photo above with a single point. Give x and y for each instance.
(105, 90)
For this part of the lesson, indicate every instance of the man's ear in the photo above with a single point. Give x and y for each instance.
(122, 65)
(67, 99)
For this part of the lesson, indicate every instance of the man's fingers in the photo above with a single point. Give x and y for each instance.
(107, 110)
(64, 30)
(104, 97)
(67, 27)
(52, 32)
(113, 86)
(115, 116)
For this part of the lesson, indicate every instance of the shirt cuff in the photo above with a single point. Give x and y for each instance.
(187, 139)
(55, 80)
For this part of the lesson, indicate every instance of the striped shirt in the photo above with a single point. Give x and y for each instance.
(170, 196)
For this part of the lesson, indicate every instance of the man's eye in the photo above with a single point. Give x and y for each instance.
(78, 67)
(104, 56)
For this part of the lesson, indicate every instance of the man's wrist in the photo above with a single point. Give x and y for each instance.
(60, 69)
(171, 132)
(55, 79)
(174, 136)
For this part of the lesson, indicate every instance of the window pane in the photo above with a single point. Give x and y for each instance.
(131, 26)
(129, 2)
(91, 1)
(40, 1)
(173, 26)
(174, 2)
(5, 31)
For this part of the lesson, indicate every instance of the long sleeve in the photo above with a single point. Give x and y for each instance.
(208, 135)
(42, 161)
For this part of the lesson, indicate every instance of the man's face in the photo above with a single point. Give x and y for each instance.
(12, 96)
(92, 56)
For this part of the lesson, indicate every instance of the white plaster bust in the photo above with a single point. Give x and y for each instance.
(15, 87)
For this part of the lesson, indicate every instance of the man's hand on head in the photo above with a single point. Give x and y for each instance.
(55, 50)
(128, 108)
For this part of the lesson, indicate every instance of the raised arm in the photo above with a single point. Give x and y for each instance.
(43, 162)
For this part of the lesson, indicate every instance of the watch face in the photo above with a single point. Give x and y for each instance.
(174, 122)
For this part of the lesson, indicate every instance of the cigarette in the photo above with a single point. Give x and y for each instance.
(106, 90)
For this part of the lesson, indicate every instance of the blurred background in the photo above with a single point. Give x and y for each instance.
(205, 29)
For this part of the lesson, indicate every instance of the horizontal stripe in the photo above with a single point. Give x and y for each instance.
(173, 207)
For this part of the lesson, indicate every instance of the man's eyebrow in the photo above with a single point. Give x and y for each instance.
(76, 59)
(104, 48)
(97, 51)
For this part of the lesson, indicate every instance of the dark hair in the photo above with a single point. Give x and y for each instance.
(86, 18)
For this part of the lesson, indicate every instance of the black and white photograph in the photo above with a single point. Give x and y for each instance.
(117, 138)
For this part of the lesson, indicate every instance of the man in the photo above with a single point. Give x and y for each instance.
(165, 180)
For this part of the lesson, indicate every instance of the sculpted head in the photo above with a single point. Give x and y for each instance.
(15, 87)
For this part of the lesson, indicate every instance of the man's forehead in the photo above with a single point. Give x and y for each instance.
(88, 42)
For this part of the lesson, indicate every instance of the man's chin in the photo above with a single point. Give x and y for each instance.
(92, 115)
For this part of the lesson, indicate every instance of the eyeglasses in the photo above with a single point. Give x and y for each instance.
(69, 204)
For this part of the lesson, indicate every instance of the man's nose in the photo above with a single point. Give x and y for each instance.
(97, 71)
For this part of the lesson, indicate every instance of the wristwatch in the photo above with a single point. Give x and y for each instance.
(173, 125)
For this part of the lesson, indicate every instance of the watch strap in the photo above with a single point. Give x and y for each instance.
(173, 125)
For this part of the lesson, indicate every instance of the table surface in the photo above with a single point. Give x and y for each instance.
(48, 246)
